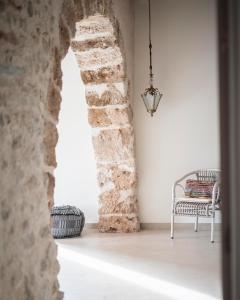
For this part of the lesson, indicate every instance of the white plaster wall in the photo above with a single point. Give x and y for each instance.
(184, 133)
(76, 177)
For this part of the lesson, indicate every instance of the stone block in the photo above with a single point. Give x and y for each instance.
(122, 176)
(98, 57)
(114, 202)
(114, 145)
(92, 25)
(110, 95)
(102, 42)
(121, 223)
(104, 75)
(107, 116)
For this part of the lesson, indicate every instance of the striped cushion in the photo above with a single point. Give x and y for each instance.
(199, 189)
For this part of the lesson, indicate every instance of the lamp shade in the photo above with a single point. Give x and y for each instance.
(151, 98)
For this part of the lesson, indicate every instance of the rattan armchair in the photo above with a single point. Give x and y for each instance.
(196, 207)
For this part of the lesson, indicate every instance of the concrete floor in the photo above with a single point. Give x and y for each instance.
(142, 266)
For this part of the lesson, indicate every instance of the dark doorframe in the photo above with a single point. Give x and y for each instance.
(229, 87)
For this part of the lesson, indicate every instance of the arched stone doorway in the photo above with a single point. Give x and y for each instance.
(103, 72)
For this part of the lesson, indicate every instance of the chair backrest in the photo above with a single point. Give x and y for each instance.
(208, 175)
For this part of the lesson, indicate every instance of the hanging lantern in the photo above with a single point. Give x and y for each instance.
(151, 97)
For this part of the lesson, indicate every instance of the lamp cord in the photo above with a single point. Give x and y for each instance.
(150, 42)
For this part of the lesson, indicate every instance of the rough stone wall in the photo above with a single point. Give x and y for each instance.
(107, 93)
(28, 35)
(29, 32)
(34, 37)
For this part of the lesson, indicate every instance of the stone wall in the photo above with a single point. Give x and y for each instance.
(107, 92)
(34, 37)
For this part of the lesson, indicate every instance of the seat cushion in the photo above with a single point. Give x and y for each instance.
(66, 221)
(194, 200)
(193, 208)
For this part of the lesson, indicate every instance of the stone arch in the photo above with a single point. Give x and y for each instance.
(35, 36)
(95, 41)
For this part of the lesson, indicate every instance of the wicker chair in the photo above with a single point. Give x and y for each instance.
(197, 206)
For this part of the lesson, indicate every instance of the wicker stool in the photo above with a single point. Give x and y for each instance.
(67, 221)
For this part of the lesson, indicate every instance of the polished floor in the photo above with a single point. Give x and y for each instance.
(142, 266)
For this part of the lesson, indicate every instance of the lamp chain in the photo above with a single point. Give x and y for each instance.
(150, 42)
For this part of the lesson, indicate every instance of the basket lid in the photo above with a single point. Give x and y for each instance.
(66, 210)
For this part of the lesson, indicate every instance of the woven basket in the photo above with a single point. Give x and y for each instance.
(199, 189)
(66, 221)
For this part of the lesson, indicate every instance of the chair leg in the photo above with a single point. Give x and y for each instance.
(196, 224)
(172, 226)
(212, 228)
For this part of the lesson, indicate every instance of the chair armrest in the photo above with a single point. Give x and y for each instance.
(174, 190)
(216, 192)
(181, 186)
(177, 183)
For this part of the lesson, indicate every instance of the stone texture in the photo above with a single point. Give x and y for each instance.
(64, 35)
(111, 95)
(114, 145)
(54, 102)
(92, 25)
(93, 58)
(50, 190)
(102, 69)
(117, 184)
(50, 140)
(102, 42)
(109, 116)
(56, 69)
(123, 176)
(105, 74)
(121, 223)
(114, 201)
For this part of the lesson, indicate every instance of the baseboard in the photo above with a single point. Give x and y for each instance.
(157, 226)
(91, 225)
(154, 226)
